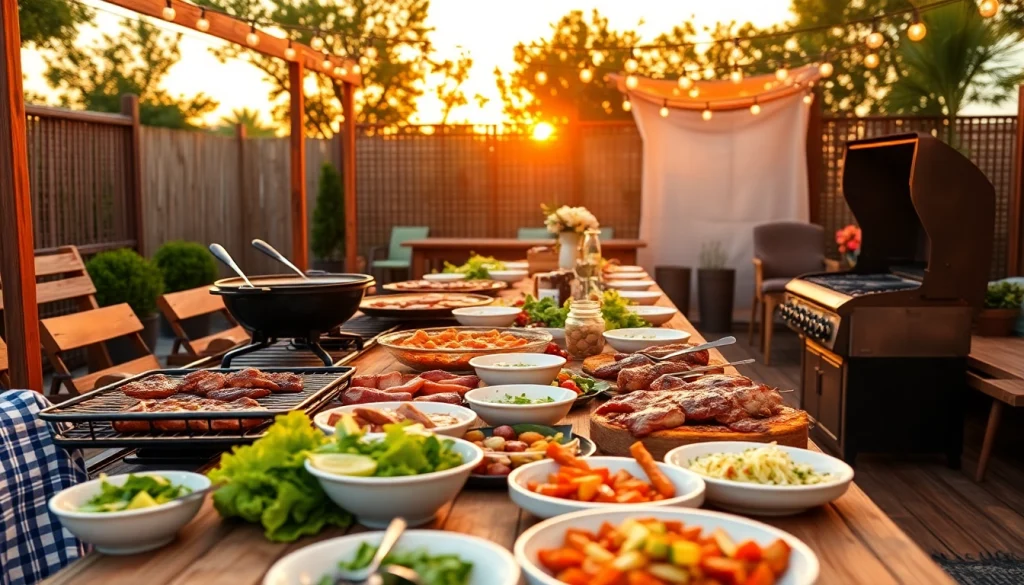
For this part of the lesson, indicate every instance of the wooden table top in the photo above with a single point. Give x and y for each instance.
(855, 541)
(508, 243)
(999, 357)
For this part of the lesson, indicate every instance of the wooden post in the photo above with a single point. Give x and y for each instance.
(297, 140)
(1015, 222)
(814, 158)
(348, 154)
(130, 107)
(17, 258)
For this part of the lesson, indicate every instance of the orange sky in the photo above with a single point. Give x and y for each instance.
(488, 29)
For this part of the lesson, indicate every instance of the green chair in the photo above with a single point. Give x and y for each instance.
(534, 234)
(399, 257)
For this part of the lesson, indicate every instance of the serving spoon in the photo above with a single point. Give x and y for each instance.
(221, 254)
(728, 340)
(273, 253)
(371, 574)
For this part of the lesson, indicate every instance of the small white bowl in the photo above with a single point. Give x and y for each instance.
(632, 339)
(376, 500)
(652, 314)
(767, 500)
(487, 316)
(641, 297)
(628, 276)
(803, 564)
(538, 368)
(465, 416)
(517, 265)
(444, 276)
(641, 285)
(557, 334)
(689, 486)
(492, 564)
(130, 531)
(545, 413)
(510, 276)
(624, 268)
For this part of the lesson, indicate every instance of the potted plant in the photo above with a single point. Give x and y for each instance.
(122, 276)
(1002, 308)
(329, 222)
(715, 287)
(569, 223)
(186, 265)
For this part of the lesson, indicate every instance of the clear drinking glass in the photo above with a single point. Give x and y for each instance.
(588, 266)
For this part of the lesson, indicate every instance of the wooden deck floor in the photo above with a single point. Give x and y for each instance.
(945, 511)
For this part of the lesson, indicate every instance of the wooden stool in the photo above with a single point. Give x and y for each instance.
(1002, 391)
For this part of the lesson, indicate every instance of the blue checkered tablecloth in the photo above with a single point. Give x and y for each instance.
(33, 545)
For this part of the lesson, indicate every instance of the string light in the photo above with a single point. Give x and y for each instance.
(871, 60)
(327, 62)
(586, 75)
(791, 45)
(706, 114)
(917, 30)
(875, 39)
(737, 51)
(825, 69)
(709, 72)
(755, 108)
(541, 77)
(252, 39)
(317, 43)
(664, 109)
(808, 98)
(341, 72)
(782, 73)
(371, 52)
(631, 65)
(202, 25)
(597, 59)
(694, 92)
(168, 11)
(356, 69)
(364, 60)
(289, 51)
(632, 81)
(988, 8)
(685, 82)
(736, 75)
(626, 106)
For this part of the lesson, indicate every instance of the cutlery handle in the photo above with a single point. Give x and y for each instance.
(273, 253)
(387, 542)
(728, 340)
(710, 367)
(221, 254)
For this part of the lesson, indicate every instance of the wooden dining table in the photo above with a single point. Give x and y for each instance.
(431, 253)
(854, 540)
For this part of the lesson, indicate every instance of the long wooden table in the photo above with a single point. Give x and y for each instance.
(432, 252)
(996, 368)
(854, 540)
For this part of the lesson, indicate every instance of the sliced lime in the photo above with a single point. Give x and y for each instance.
(344, 464)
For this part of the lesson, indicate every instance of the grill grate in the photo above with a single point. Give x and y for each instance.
(285, 353)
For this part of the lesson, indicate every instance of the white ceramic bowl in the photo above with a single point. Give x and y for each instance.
(487, 316)
(492, 564)
(642, 284)
(545, 413)
(624, 268)
(376, 500)
(444, 276)
(641, 297)
(465, 416)
(689, 486)
(517, 265)
(531, 368)
(803, 564)
(767, 500)
(628, 276)
(510, 276)
(631, 339)
(557, 334)
(130, 531)
(654, 315)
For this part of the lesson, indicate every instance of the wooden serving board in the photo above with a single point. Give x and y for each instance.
(790, 429)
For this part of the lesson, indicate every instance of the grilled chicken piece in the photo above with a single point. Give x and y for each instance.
(232, 394)
(445, 397)
(610, 371)
(202, 381)
(641, 377)
(410, 412)
(374, 416)
(287, 382)
(155, 386)
(189, 403)
(252, 378)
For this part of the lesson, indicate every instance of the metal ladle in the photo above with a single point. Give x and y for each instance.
(221, 254)
(273, 253)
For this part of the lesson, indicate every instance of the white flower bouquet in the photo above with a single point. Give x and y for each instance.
(569, 219)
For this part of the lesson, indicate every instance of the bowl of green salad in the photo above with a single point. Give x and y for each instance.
(440, 558)
(131, 513)
(510, 404)
(397, 473)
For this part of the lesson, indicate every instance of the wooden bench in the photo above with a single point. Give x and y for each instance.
(187, 304)
(91, 328)
(1003, 392)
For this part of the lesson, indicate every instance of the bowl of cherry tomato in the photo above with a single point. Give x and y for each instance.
(585, 387)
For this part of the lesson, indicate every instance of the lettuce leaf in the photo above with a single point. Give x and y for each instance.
(398, 453)
(266, 482)
(616, 315)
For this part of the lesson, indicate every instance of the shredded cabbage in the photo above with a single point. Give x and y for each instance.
(764, 465)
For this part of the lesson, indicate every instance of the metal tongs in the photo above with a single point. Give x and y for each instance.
(729, 340)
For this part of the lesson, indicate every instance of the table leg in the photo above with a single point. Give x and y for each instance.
(418, 264)
(990, 436)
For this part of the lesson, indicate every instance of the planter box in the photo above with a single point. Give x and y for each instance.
(715, 289)
(996, 322)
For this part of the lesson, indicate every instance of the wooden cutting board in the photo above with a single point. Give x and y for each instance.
(789, 429)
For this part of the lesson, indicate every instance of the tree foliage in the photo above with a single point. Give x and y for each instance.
(44, 23)
(135, 61)
(328, 239)
(394, 65)
(248, 118)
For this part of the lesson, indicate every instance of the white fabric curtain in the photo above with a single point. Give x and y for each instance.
(713, 181)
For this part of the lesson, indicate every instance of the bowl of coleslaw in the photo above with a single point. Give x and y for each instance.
(764, 479)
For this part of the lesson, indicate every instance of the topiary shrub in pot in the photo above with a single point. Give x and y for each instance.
(715, 286)
(123, 276)
(329, 222)
(186, 265)
(1002, 308)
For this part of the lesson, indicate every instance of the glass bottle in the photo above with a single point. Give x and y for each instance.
(584, 329)
(588, 266)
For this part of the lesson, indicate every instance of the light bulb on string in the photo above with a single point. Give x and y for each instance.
(709, 72)
(364, 60)
(597, 58)
(626, 106)
(356, 69)
(782, 73)
(663, 112)
(826, 69)
(988, 8)
(871, 60)
(808, 98)
(317, 43)
(202, 25)
(694, 91)
(755, 108)
(632, 81)
(327, 62)
(875, 39)
(736, 75)
(168, 12)
(370, 52)
(586, 75)
(917, 30)
(706, 114)
(289, 51)
(685, 82)
(541, 77)
(252, 39)
(791, 45)
(631, 65)
(737, 51)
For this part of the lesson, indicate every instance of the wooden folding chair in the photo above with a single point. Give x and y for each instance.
(87, 329)
(187, 304)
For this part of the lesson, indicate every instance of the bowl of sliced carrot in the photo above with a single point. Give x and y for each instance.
(565, 483)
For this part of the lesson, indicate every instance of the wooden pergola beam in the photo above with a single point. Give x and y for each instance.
(17, 254)
(297, 161)
(348, 163)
